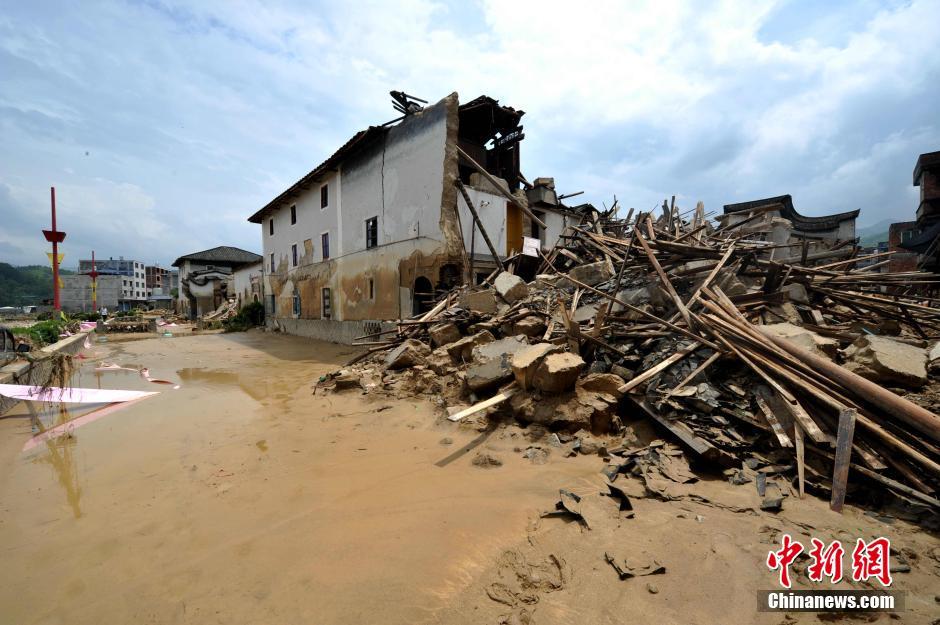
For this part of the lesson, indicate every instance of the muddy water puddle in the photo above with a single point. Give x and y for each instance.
(240, 497)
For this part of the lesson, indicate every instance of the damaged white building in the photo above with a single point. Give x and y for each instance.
(379, 228)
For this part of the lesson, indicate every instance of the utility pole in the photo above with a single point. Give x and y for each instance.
(94, 283)
(55, 237)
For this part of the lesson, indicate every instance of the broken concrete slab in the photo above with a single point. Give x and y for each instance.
(887, 361)
(606, 383)
(440, 361)
(531, 326)
(410, 353)
(796, 292)
(511, 288)
(462, 350)
(483, 301)
(559, 412)
(590, 274)
(444, 333)
(526, 361)
(807, 339)
(585, 313)
(492, 362)
(558, 373)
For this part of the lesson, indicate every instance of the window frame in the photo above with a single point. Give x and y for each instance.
(271, 226)
(325, 245)
(293, 254)
(374, 231)
(324, 196)
(326, 303)
(293, 214)
(273, 266)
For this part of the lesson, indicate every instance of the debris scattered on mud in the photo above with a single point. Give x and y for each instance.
(773, 361)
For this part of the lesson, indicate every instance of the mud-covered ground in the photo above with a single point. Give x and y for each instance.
(242, 497)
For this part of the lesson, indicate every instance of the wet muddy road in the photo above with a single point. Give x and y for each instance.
(240, 497)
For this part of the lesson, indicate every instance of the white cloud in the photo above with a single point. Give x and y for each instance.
(198, 114)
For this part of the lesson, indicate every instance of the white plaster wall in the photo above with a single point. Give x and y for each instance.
(312, 221)
(492, 211)
(398, 180)
(556, 224)
(241, 279)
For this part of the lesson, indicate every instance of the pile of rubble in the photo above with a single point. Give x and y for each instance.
(755, 366)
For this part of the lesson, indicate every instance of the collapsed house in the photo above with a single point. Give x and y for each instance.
(792, 378)
(400, 214)
(210, 278)
(793, 235)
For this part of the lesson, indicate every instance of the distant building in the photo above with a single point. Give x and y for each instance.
(76, 293)
(206, 278)
(792, 236)
(900, 234)
(133, 279)
(834, 227)
(924, 237)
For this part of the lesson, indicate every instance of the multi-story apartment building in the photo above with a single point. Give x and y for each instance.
(133, 278)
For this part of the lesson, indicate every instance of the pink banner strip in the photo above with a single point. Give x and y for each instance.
(70, 395)
(68, 426)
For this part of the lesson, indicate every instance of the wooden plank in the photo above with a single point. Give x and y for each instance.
(843, 456)
(646, 375)
(694, 373)
(800, 460)
(486, 403)
(775, 425)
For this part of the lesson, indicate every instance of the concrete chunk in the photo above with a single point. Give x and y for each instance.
(558, 373)
(444, 333)
(479, 301)
(606, 383)
(531, 326)
(410, 353)
(512, 288)
(807, 339)
(590, 274)
(462, 350)
(492, 362)
(525, 361)
(887, 361)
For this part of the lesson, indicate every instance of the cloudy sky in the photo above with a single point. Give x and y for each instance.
(164, 125)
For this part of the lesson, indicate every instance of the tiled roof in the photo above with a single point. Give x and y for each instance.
(800, 222)
(222, 255)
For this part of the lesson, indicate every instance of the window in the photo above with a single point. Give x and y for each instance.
(293, 214)
(272, 305)
(325, 245)
(296, 302)
(371, 288)
(293, 253)
(372, 232)
(324, 196)
(271, 226)
(273, 268)
(327, 304)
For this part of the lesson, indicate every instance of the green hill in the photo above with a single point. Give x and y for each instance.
(25, 285)
(869, 236)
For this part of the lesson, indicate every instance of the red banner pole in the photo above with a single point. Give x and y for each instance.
(55, 259)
